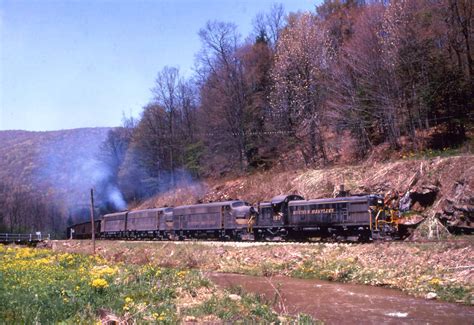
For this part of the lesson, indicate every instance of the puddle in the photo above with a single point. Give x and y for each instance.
(339, 303)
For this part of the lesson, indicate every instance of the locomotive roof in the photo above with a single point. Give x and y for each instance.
(150, 210)
(331, 200)
(281, 198)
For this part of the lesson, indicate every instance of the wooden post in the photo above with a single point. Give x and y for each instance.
(92, 222)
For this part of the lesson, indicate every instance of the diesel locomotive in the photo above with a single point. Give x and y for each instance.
(285, 217)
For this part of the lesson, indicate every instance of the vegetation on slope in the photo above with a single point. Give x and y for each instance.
(42, 286)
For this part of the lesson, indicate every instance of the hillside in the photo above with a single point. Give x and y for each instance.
(443, 186)
(53, 162)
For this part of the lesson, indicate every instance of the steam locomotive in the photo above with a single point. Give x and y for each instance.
(285, 217)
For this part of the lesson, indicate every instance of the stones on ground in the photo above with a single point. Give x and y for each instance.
(431, 295)
(235, 297)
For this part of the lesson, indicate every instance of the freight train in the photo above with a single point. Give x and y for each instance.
(285, 217)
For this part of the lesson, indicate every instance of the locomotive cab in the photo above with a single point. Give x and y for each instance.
(243, 214)
(273, 217)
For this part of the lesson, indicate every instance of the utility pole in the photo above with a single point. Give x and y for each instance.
(92, 222)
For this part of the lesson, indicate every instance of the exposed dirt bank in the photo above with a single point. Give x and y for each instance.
(441, 186)
(442, 270)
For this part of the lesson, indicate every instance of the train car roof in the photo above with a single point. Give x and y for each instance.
(212, 204)
(331, 200)
(150, 210)
(115, 214)
(83, 223)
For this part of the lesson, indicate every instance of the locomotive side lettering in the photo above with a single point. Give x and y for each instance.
(313, 211)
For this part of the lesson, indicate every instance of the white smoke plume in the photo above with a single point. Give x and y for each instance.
(69, 178)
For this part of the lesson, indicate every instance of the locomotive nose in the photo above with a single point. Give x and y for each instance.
(246, 212)
(253, 212)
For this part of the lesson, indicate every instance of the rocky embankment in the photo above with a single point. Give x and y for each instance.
(440, 187)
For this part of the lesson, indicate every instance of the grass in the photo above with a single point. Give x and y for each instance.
(248, 308)
(432, 153)
(401, 265)
(342, 270)
(42, 286)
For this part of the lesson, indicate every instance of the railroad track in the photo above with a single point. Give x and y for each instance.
(25, 239)
(302, 243)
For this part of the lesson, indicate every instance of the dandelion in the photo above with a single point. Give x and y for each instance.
(159, 317)
(181, 274)
(101, 271)
(435, 281)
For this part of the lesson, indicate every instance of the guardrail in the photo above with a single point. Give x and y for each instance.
(22, 238)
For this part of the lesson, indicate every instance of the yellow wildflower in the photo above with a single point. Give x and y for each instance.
(160, 316)
(435, 281)
(104, 270)
(99, 283)
(182, 274)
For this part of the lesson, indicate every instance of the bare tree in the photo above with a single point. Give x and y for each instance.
(269, 25)
(166, 95)
(298, 79)
(223, 94)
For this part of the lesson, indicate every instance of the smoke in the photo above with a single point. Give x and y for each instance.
(69, 166)
(116, 198)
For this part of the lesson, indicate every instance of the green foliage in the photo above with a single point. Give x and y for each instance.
(342, 270)
(246, 307)
(39, 286)
(192, 157)
(431, 153)
(453, 293)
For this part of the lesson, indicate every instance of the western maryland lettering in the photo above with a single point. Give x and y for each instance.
(314, 211)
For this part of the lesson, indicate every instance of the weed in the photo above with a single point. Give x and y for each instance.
(246, 307)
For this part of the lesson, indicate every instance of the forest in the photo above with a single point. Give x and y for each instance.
(353, 79)
(306, 89)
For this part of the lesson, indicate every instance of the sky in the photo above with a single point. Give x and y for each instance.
(71, 64)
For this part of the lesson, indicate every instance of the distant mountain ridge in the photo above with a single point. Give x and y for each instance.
(39, 161)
